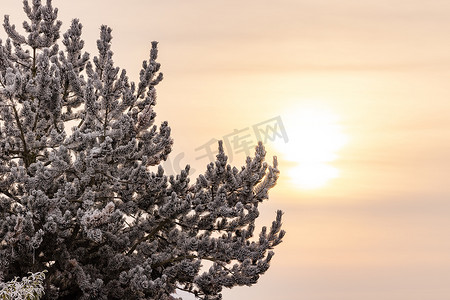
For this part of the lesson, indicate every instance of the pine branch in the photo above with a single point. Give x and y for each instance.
(6, 193)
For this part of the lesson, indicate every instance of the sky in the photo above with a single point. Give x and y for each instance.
(358, 94)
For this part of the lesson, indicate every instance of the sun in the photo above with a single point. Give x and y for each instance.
(315, 137)
(312, 176)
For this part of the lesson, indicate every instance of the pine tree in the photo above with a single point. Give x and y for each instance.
(83, 194)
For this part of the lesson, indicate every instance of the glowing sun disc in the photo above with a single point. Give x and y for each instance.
(315, 137)
(312, 176)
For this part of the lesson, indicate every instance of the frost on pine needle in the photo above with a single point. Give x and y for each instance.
(28, 288)
(83, 194)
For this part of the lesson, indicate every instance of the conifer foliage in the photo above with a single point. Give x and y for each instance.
(83, 194)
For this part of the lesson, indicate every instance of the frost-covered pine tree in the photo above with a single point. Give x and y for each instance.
(82, 191)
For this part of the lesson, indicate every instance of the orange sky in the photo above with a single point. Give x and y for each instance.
(381, 229)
